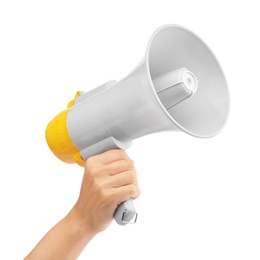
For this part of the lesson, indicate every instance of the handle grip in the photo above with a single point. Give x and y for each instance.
(125, 213)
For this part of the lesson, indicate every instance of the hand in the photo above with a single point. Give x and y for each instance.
(109, 179)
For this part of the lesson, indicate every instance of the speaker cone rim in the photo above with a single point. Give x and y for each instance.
(147, 65)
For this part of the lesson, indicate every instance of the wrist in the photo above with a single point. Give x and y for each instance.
(78, 225)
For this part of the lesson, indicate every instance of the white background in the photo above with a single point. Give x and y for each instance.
(200, 198)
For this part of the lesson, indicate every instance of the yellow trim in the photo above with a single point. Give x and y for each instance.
(59, 141)
(72, 102)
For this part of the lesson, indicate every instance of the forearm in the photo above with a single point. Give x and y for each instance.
(65, 240)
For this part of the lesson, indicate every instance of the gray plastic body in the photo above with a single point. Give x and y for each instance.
(156, 96)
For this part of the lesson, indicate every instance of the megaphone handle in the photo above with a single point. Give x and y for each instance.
(125, 213)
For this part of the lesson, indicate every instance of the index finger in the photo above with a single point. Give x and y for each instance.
(110, 156)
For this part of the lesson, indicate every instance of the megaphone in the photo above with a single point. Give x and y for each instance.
(178, 86)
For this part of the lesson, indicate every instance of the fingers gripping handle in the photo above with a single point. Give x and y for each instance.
(125, 213)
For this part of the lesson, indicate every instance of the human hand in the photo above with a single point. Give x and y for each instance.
(108, 180)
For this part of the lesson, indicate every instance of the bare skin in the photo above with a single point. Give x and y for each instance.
(109, 179)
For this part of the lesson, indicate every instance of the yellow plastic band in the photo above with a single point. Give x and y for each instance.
(72, 102)
(59, 141)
